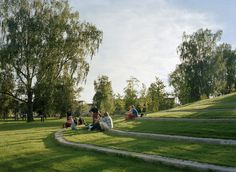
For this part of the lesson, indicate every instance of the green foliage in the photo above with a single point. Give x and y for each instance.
(42, 39)
(143, 98)
(131, 92)
(7, 86)
(219, 107)
(81, 108)
(119, 104)
(103, 97)
(202, 70)
(229, 58)
(155, 95)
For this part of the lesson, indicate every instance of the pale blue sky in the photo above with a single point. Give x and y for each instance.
(141, 36)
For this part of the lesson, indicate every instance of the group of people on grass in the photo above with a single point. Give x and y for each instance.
(100, 121)
(72, 121)
(133, 113)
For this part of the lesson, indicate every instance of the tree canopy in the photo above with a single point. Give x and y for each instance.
(206, 69)
(40, 42)
(103, 97)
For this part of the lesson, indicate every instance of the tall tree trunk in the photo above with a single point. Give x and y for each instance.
(30, 107)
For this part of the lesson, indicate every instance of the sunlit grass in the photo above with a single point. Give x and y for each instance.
(226, 103)
(31, 147)
(212, 129)
(213, 114)
(221, 155)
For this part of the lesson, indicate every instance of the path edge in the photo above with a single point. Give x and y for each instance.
(148, 158)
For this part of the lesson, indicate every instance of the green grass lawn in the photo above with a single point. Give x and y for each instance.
(209, 106)
(215, 154)
(226, 101)
(195, 114)
(213, 129)
(225, 105)
(31, 147)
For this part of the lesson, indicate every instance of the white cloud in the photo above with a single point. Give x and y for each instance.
(140, 39)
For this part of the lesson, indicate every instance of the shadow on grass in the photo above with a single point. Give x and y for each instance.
(220, 155)
(53, 157)
(6, 126)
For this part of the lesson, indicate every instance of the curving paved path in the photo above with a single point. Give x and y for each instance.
(149, 158)
(175, 137)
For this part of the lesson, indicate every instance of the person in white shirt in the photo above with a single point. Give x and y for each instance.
(106, 122)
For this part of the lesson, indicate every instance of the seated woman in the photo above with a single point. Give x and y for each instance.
(106, 122)
(132, 113)
(95, 118)
(73, 123)
(68, 122)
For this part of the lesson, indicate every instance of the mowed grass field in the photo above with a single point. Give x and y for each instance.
(215, 108)
(31, 147)
(218, 108)
(206, 153)
(207, 129)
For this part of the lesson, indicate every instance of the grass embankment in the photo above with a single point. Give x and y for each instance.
(219, 107)
(226, 101)
(31, 147)
(215, 154)
(212, 129)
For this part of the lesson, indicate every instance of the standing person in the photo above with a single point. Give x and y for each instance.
(106, 123)
(41, 115)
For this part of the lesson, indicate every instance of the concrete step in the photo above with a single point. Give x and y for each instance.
(148, 158)
(174, 137)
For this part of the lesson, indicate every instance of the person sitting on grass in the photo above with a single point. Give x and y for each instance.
(68, 122)
(95, 118)
(73, 123)
(132, 113)
(106, 122)
(95, 114)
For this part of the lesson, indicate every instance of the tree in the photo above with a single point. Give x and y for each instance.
(178, 80)
(131, 92)
(6, 85)
(118, 104)
(155, 95)
(103, 97)
(41, 38)
(64, 96)
(142, 100)
(200, 65)
(229, 57)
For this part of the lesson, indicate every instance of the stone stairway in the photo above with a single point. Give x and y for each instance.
(149, 158)
(175, 137)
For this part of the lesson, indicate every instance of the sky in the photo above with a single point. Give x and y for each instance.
(140, 37)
